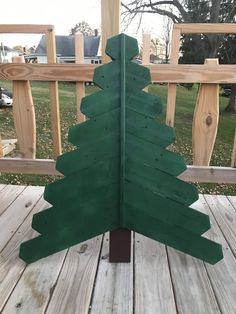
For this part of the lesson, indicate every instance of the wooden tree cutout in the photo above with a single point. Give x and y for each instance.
(121, 175)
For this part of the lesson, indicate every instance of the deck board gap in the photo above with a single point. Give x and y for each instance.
(54, 286)
(213, 289)
(13, 288)
(14, 198)
(232, 203)
(171, 279)
(231, 248)
(13, 234)
(95, 277)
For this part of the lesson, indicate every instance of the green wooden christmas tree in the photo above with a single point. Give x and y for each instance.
(121, 175)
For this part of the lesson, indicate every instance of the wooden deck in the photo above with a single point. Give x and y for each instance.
(80, 280)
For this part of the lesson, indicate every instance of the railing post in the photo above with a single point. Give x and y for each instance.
(79, 58)
(171, 96)
(205, 121)
(233, 159)
(24, 116)
(146, 52)
(54, 97)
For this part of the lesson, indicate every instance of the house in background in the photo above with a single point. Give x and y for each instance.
(65, 50)
(6, 54)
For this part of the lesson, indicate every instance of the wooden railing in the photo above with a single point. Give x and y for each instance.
(207, 74)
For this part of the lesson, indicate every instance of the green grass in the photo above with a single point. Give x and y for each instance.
(183, 123)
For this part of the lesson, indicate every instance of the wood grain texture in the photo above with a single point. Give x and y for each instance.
(73, 291)
(146, 41)
(80, 88)
(166, 73)
(110, 15)
(11, 266)
(224, 213)
(152, 284)
(223, 274)
(172, 88)
(209, 28)
(8, 196)
(24, 116)
(54, 95)
(25, 28)
(17, 212)
(232, 200)
(205, 121)
(114, 285)
(34, 287)
(233, 158)
(7, 146)
(47, 166)
(193, 291)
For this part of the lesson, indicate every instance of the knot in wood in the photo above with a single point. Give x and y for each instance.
(209, 120)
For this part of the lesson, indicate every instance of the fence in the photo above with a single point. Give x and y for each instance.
(208, 75)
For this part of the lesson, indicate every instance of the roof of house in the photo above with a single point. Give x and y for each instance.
(65, 46)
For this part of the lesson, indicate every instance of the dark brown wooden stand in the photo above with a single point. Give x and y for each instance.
(120, 246)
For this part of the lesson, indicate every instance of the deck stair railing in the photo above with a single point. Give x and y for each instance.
(206, 114)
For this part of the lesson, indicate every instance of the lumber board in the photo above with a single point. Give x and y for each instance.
(17, 212)
(54, 95)
(160, 73)
(24, 116)
(205, 121)
(25, 28)
(206, 28)
(7, 146)
(47, 166)
(80, 88)
(114, 285)
(172, 88)
(223, 274)
(8, 195)
(2, 187)
(152, 284)
(233, 158)
(193, 291)
(73, 291)
(11, 266)
(224, 213)
(232, 200)
(110, 16)
(33, 289)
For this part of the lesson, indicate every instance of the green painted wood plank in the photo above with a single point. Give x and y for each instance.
(178, 238)
(144, 201)
(43, 246)
(167, 186)
(153, 155)
(71, 187)
(88, 155)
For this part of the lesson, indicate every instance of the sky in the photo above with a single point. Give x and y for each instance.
(63, 15)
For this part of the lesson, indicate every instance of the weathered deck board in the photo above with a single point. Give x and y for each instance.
(193, 290)
(153, 287)
(17, 212)
(223, 274)
(11, 266)
(81, 280)
(114, 285)
(73, 291)
(8, 196)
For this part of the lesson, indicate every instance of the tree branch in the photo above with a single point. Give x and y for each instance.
(151, 8)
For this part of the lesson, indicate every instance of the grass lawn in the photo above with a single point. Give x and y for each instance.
(183, 123)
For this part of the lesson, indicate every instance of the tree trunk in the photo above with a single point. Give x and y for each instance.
(231, 107)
